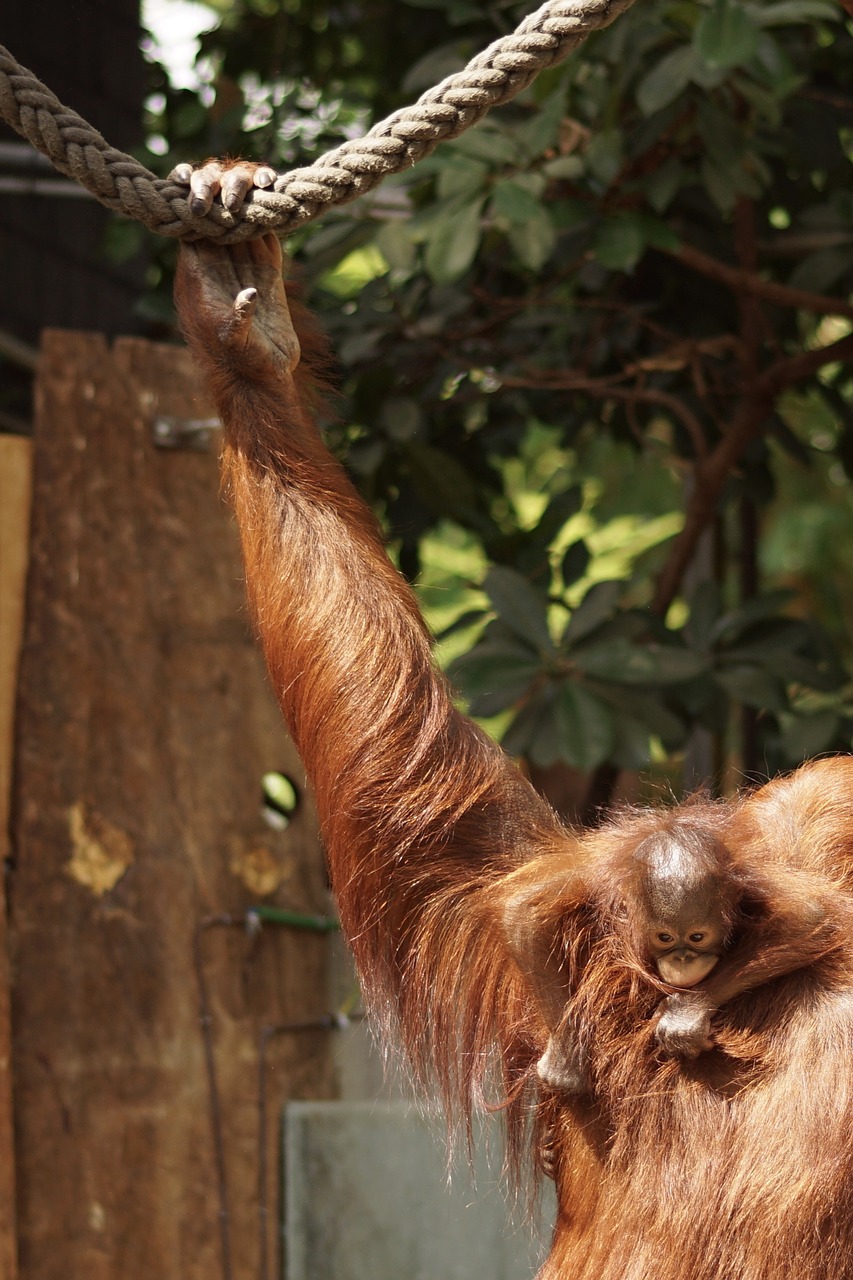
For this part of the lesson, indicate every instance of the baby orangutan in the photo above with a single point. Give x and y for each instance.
(697, 925)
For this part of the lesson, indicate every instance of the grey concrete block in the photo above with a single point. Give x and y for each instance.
(367, 1198)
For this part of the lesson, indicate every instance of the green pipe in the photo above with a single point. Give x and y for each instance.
(296, 919)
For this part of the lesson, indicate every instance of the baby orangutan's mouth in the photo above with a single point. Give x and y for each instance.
(685, 967)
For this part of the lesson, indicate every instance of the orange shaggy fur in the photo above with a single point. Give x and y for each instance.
(735, 1166)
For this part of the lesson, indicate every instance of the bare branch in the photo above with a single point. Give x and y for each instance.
(604, 389)
(740, 281)
(711, 474)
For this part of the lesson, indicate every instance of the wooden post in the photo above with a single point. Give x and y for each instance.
(145, 726)
(15, 493)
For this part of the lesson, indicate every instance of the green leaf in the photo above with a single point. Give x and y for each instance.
(621, 662)
(279, 792)
(719, 184)
(662, 186)
(809, 735)
(779, 74)
(559, 511)
(822, 270)
(454, 240)
(434, 66)
(619, 242)
(585, 726)
(396, 246)
(726, 36)
(597, 606)
(493, 676)
(534, 240)
(570, 166)
(754, 687)
(460, 176)
(543, 129)
(760, 609)
(667, 80)
(649, 709)
(441, 481)
(485, 142)
(575, 562)
(632, 747)
(401, 418)
(604, 155)
(545, 747)
(535, 721)
(793, 11)
(519, 606)
(514, 202)
(704, 611)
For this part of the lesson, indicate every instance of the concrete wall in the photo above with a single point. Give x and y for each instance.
(367, 1198)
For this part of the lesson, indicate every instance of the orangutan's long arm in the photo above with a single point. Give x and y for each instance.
(419, 810)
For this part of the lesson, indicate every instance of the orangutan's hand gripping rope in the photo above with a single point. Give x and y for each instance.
(495, 76)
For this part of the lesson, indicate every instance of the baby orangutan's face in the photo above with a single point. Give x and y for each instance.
(685, 952)
(687, 903)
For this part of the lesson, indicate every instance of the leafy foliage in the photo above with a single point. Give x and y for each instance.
(579, 328)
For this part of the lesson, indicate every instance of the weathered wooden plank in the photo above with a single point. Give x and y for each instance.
(15, 491)
(145, 725)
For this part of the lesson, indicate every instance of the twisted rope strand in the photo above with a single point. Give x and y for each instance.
(124, 185)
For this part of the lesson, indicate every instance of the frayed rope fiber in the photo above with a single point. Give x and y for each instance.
(124, 185)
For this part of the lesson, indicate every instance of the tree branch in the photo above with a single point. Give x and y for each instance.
(603, 389)
(740, 281)
(711, 475)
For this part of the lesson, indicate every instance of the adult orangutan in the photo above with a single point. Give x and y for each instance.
(682, 978)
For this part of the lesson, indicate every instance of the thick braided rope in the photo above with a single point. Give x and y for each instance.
(495, 76)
